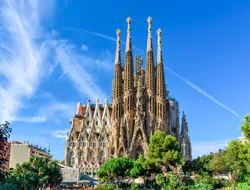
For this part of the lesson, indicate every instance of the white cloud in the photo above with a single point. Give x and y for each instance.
(20, 57)
(205, 147)
(72, 65)
(56, 111)
(84, 47)
(28, 54)
(60, 133)
(35, 119)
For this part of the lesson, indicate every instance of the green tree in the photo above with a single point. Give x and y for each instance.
(245, 127)
(36, 173)
(143, 167)
(114, 169)
(236, 160)
(170, 182)
(217, 164)
(165, 151)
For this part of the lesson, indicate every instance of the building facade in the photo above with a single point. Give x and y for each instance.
(140, 106)
(87, 141)
(21, 152)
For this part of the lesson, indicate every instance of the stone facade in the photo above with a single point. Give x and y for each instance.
(87, 141)
(140, 106)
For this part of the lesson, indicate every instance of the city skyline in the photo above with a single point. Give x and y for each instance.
(62, 55)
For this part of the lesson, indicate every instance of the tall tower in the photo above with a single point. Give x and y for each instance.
(117, 98)
(128, 74)
(150, 79)
(129, 97)
(161, 109)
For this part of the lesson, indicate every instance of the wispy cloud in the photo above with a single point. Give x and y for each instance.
(72, 65)
(28, 53)
(205, 147)
(84, 47)
(35, 119)
(60, 133)
(20, 56)
(198, 89)
(103, 36)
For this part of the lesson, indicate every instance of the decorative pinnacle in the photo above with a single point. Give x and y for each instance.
(117, 56)
(159, 31)
(149, 43)
(159, 54)
(149, 23)
(129, 20)
(128, 42)
(118, 32)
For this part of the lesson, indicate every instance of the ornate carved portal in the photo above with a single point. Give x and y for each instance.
(139, 145)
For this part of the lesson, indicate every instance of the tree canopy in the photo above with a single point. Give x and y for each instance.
(37, 172)
(164, 150)
(143, 167)
(115, 168)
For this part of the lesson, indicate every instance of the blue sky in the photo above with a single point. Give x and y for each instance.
(54, 54)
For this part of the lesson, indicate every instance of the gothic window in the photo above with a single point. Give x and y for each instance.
(81, 156)
(105, 123)
(72, 138)
(102, 155)
(71, 158)
(88, 114)
(96, 123)
(92, 155)
(87, 123)
(82, 138)
(102, 138)
(96, 114)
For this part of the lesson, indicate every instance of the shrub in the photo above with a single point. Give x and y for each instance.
(105, 187)
(242, 186)
(135, 186)
(204, 186)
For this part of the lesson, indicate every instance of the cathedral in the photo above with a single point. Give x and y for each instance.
(140, 106)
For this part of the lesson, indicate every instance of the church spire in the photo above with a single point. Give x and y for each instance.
(128, 42)
(128, 73)
(118, 50)
(149, 44)
(160, 79)
(150, 71)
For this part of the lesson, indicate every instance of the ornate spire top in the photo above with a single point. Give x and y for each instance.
(88, 100)
(118, 43)
(106, 101)
(159, 52)
(149, 45)
(128, 42)
(97, 100)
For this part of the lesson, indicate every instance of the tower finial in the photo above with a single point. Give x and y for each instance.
(149, 45)
(128, 42)
(159, 51)
(118, 43)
